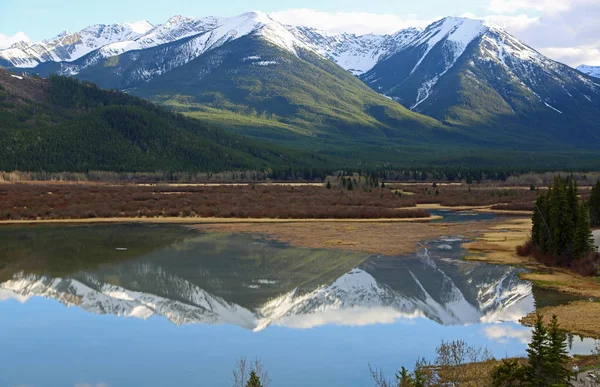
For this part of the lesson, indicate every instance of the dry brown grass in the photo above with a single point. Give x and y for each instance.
(581, 317)
(20, 201)
(392, 238)
(473, 374)
(82, 200)
(499, 245)
(565, 281)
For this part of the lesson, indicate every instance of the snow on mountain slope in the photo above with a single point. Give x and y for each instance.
(176, 28)
(146, 58)
(355, 53)
(69, 46)
(120, 38)
(480, 53)
(592, 71)
(450, 37)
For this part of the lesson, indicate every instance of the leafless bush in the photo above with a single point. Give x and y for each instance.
(452, 360)
(379, 379)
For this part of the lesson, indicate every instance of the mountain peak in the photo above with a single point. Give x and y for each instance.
(60, 35)
(177, 19)
(592, 71)
(257, 15)
(140, 26)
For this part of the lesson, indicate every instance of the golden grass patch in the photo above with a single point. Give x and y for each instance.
(387, 238)
(566, 281)
(580, 317)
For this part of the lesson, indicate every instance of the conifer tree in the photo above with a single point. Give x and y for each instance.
(537, 353)
(254, 380)
(561, 220)
(508, 374)
(404, 378)
(573, 199)
(536, 221)
(557, 360)
(595, 206)
(583, 242)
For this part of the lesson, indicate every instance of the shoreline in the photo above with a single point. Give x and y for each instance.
(199, 220)
(483, 209)
(498, 246)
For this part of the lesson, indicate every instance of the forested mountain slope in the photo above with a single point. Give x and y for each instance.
(60, 124)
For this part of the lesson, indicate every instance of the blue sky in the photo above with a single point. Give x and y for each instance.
(564, 30)
(42, 18)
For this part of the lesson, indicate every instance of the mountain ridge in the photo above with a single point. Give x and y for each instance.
(592, 71)
(469, 84)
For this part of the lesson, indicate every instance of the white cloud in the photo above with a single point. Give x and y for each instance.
(574, 55)
(351, 22)
(514, 24)
(503, 334)
(567, 30)
(7, 41)
(511, 6)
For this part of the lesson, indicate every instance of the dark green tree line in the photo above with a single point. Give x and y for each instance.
(595, 206)
(561, 222)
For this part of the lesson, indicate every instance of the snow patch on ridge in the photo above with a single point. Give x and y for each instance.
(455, 34)
(552, 107)
(355, 53)
(592, 71)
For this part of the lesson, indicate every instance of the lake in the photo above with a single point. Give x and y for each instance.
(142, 305)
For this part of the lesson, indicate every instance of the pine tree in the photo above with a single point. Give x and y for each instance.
(350, 187)
(536, 221)
(508, 374)
(254, 380)
(404, 378)
(561, 219)
(557, 356)
(595, 206)
(535, 371)
(583, 242)
(328, 185)
(422, 374)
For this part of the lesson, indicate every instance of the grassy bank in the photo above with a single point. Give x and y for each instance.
(498, 246)
(376, 237)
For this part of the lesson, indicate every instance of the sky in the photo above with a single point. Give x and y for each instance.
(564, 30)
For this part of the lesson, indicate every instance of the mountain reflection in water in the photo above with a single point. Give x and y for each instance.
(253, 283)
(191, 304)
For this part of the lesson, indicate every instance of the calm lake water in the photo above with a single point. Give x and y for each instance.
(135, 305)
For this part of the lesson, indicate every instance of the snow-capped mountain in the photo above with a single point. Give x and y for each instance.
(169, 46)
(355, 53)
(68, 46)
(468, 75)
(465, 71)
(117, 39)
(592, 71)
